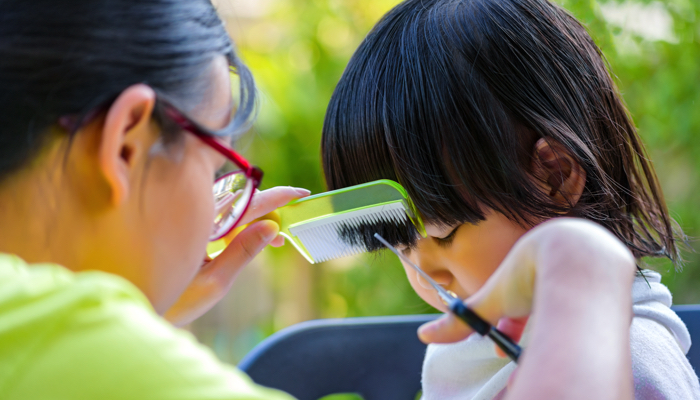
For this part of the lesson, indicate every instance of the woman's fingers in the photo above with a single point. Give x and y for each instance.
(266, 201)
(450, 329)
(513, 328)
(486, 303)
(244, 247)
(446, 329)
(507, 293)
(215, 278)
(278, 241)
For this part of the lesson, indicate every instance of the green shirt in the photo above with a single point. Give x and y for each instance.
(93, 335)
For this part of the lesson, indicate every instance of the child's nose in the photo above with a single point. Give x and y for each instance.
(441, 275)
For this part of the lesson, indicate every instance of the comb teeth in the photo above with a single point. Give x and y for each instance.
(322, 237)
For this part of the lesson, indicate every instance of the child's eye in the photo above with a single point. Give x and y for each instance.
(447, 240)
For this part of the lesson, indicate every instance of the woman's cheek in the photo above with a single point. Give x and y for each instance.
(202, 218)
(192, 214)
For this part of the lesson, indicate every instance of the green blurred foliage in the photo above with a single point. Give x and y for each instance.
(660, 82)
(342, 396)
(297, 53)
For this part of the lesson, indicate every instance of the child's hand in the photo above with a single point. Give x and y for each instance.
(575, 278)
(215, 277)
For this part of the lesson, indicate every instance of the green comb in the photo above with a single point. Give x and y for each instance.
(313, 224)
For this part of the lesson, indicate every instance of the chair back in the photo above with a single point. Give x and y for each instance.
(690, 314)
(379, 358)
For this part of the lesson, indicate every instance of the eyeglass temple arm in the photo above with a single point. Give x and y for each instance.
(234, 157)
(251, 170)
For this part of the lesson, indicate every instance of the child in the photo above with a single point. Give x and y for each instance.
(497, 115)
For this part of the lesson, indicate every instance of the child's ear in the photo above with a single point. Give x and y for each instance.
(558, 173)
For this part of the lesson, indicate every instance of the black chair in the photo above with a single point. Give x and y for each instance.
(379, 358)
(690, 314)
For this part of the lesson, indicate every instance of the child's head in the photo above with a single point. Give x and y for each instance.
(495, 115)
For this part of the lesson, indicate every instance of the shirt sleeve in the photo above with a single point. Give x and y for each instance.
(661, 370)
(122, 350)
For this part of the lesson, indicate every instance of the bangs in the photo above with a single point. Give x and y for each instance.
(412, 108)
(449, 97)
(362, 235)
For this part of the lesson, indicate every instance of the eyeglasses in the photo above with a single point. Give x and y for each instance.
(233, 192)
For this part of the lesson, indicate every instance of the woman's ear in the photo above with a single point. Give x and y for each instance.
(125, 139)
(558, 173)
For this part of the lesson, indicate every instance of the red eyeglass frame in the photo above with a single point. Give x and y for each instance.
(207, 136)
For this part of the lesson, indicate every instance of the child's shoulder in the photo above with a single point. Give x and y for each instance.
(659, 343)
(659, 364)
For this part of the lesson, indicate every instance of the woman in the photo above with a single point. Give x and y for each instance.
(99, 176)
(114, 118)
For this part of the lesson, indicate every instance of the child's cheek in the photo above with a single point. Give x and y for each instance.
(428, 295)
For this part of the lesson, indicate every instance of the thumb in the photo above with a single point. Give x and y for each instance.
(450, 329)
(245, 246)
(446, 329)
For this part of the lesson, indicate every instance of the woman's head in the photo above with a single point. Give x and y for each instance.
(67, 58)
(81, 128)
(492, 107)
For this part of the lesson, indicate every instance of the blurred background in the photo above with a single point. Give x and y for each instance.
(297, 50)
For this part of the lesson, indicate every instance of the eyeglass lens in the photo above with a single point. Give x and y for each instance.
(232, 193)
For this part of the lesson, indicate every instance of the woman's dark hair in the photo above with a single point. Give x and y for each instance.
(449, 97)
(64, 58)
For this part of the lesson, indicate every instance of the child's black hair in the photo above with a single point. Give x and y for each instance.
(448, 97)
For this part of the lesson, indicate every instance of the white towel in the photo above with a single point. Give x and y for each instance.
(470, 369)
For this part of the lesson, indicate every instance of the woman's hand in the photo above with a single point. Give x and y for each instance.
(216, 276)
(574, 279)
